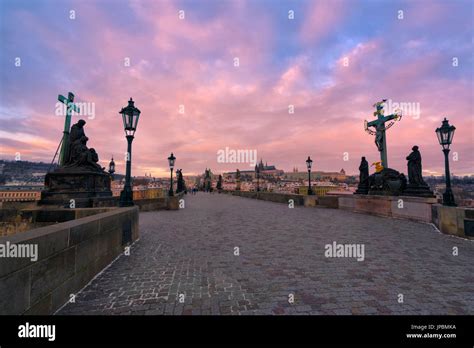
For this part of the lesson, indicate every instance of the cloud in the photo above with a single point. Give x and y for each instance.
(323, 18)
(190, 62)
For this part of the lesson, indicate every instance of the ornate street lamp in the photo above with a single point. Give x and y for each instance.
(445, 135)
(257, 174)
(171, 160)
(130, 115)
(309, 163)
(112, 167)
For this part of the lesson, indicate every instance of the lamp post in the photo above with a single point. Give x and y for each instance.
(309, 163)
(112, 167)
(130, 115)
(171, 160)
(445, 135)
(257, 174)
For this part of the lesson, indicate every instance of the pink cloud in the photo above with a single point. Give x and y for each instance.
(188, 62)
(323, 16)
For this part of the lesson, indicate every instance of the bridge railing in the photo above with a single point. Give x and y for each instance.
(57, 261)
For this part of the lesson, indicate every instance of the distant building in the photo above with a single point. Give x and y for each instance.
(269, 170)
(316, 175)
(265, 171)
(20, 193)
(149, 193)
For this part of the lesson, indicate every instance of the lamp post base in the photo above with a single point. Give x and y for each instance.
(126, 198)
(448, 198)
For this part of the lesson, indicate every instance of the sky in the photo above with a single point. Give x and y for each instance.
(307, 77)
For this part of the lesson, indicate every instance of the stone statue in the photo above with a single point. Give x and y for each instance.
(81, 156)
(380, 125)
(363, 171)
(386, 182)
(415, 177)
(417, 186)
(77, 132)
(79, 177)
(363, 187)
(181, 185)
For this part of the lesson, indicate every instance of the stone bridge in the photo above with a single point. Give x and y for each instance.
(223, 254)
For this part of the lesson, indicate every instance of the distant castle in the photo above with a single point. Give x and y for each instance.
(271, 170)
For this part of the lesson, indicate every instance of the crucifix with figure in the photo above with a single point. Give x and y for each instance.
(70, 107)
(380, 127)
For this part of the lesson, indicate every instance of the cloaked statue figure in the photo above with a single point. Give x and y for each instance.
(79, 155)
(363, 187)
(415, 177)
(417, 186)
(77, 132)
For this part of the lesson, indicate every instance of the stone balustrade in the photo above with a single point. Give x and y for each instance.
(69, 255)
(457, 221)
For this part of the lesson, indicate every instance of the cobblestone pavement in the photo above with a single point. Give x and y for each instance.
(281, 253)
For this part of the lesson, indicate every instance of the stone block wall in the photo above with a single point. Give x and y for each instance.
(151, 204)
(405, 207)
(452, 220)
(270, 196)
(70, 254)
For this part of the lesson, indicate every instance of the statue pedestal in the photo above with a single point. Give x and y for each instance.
(418, 191)
(387, 182)
(362, 189)
(82, 186)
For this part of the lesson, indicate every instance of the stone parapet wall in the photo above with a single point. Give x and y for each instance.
(70, 254)
(457, 221)
(405, 207)
(300, 200)
(269, 196)
(18, 220)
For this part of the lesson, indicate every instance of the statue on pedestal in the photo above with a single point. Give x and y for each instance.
(416, 186)
(414, 167)
(385, 181)
(80, 179)
(381, 124)
(363, 187)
